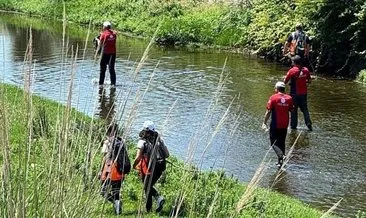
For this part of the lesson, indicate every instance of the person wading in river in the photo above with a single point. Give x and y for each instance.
(278, 107)
(298, 43)
(107, 44)
(116, 164)
(299, 77)
(150, 162)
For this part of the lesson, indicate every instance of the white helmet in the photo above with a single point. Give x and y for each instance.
(280, 85)
(107, 24)
(149, 125)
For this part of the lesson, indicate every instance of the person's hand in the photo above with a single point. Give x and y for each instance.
(265, 127)
(99, 174)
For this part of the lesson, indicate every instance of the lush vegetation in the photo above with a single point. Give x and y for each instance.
(362, 76)
(338, 28)
(50, 159)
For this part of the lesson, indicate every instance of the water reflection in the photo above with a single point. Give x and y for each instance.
(42, 43)
(107, 106)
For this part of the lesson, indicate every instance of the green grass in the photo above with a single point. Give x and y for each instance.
(49, 172)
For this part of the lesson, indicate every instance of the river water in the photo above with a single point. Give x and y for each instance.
(328, 164)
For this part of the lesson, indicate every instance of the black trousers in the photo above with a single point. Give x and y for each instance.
(111, 190)
(300, 101)
(278, 139)
(149, 182)
(110, 60)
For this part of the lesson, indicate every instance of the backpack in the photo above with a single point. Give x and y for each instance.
(123, 161)
(298, 42)
(156, 152)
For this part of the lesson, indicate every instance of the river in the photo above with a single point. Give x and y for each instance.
(328, 164)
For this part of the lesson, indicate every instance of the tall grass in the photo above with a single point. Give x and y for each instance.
(50, 159)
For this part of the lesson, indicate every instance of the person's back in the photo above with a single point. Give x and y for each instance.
(154, 152)
(297, 43)
(150, 162)
(298, 77)
(108, 40)
(107, 43)
(280, 104)
(116, 165)
(278, 107)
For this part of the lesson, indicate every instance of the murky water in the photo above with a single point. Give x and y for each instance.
(328, 163)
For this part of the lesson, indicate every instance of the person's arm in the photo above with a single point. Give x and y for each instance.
(101, 39)
(165, 148)
(308, 77)
(287, 45)
(287, 77)
(267, 114)
(266, 117)
(139, 155)
(291, 105)
(104, 149)
(307, 46)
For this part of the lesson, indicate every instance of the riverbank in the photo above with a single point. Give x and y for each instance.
(50, 157)
(260, 26)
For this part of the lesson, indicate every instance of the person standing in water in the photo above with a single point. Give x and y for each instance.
(107, 45)
(299, 77)
(278, 108)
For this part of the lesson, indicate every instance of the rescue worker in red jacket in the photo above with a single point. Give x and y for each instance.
(299, 77)
(115, 165)
(278, 108)
(107, 43)
(150, 162)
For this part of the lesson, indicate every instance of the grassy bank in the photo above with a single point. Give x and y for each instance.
(338, 28)
(50, 158)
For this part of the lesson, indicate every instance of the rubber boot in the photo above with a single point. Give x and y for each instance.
(117, 207)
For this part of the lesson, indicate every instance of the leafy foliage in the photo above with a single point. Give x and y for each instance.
(341, 33)
(362, 76)
(338, 28)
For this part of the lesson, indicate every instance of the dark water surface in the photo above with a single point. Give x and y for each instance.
(328, 163)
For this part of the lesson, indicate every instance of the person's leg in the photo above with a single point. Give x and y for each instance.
(273, 134)
(281, 139)
(303, 104)
(116, 188)
(103, 67)
(112, 71)
(294, 113)
(159, 169)
(106, 190)
(148, 190)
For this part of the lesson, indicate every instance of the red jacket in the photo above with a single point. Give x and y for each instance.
(280, 105)
(108, 40)
(298, 77)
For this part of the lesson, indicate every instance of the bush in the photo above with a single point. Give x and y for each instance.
(362, 76)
